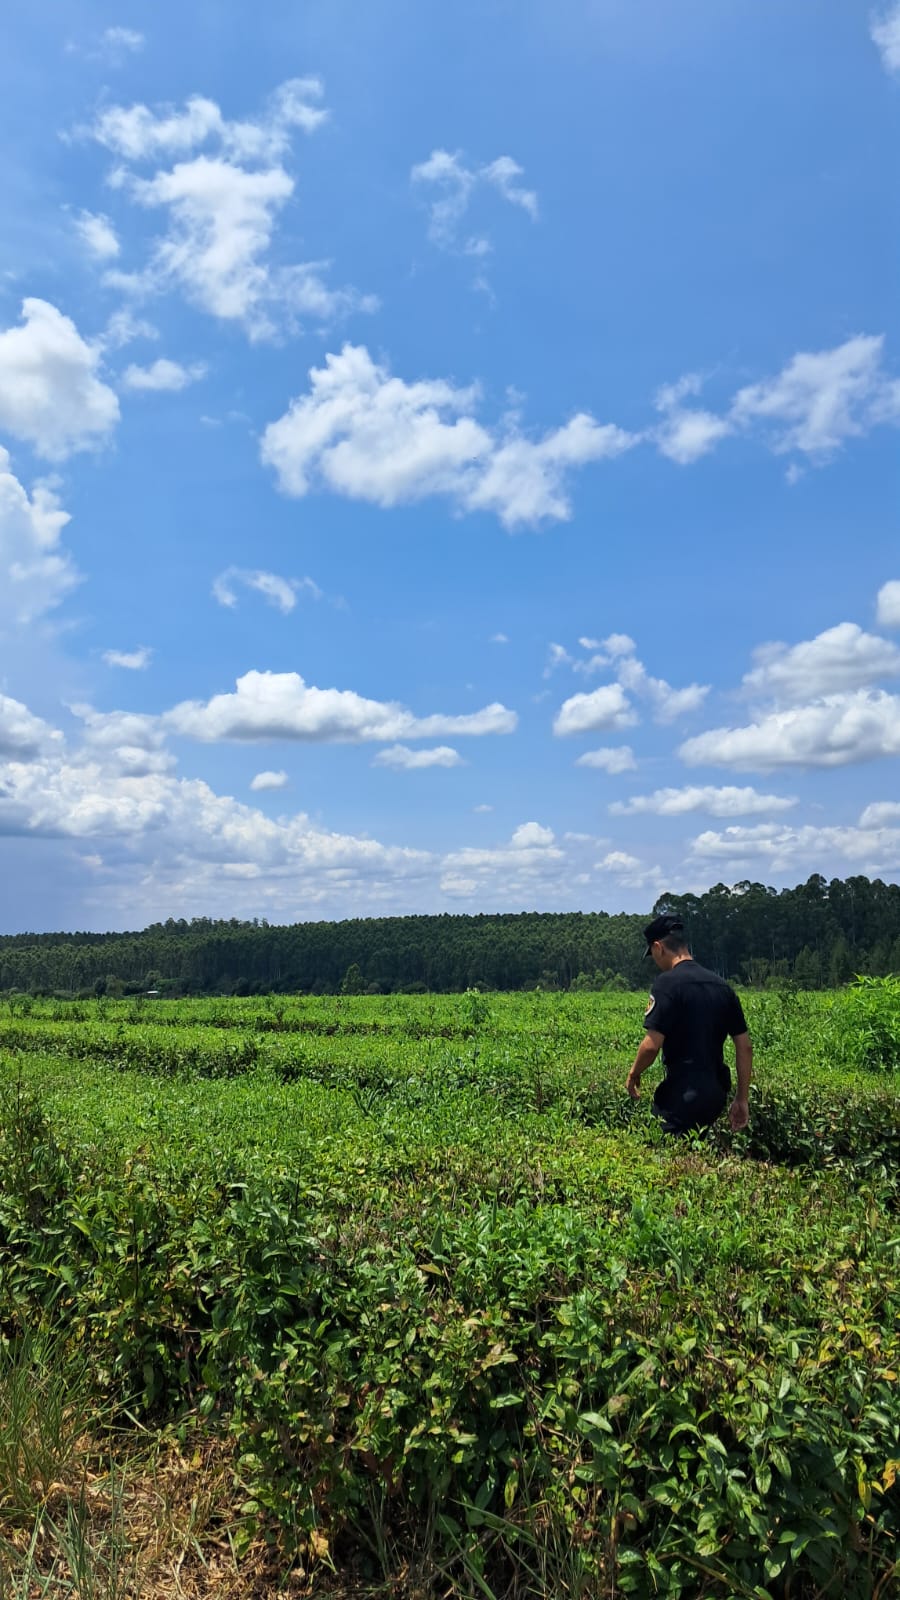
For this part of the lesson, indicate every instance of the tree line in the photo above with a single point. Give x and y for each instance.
(816, 935)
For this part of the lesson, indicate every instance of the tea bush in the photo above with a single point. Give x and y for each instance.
(453, 1296)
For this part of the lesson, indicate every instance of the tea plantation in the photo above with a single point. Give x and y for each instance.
(456, 1317)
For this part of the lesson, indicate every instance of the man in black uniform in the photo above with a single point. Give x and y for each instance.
(690, 1015)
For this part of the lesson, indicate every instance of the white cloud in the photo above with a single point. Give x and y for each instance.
(531, 861)
(269, 780)
(618, 644)
(885, 33)
(821, 399)
(279, 705)
(531, 835)
(482, 810)
(118, 43)
(499, 638)
(611, 759)
(125, 38)
(50, 394)
(222, 208)
(280, 592)
(719, 802)
(123, 328)
(115, 45)
(403, 759)
(781, 848)
(139, 134)
(98, 236)
(606, 707)
(23, 736)
(618, 861)
(616, 654)
(668, 703)
(629, 871)
(177, 842)
(35, 572)
(686, 434)
(832, 732)
(455, 184)
(840, 658)
(131, 660)
(588, 665)
(879, 813)
(557, 656)
(129, 743)
(370, 436)
(888, 611)
(163, 375)
(813, 405)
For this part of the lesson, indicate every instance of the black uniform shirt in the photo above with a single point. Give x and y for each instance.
(695, 1011)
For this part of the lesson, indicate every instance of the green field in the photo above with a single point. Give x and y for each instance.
(402, 1295)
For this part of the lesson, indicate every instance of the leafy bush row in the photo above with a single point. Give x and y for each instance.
(689, 1388)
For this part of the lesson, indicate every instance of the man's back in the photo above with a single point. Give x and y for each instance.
(696, 1011)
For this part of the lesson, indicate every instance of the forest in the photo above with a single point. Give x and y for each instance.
(817, 935)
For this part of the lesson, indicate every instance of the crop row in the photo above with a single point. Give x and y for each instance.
(680, 1371)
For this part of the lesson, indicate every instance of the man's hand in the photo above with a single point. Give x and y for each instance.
(739, 1115)
(650, 1046)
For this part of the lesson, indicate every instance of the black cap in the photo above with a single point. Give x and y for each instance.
(666, 923)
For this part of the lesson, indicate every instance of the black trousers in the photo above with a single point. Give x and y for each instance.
(690, 1110)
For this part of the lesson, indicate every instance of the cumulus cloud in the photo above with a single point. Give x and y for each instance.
(617, 655)
(269, 780)
(50, 394)
(822, 398)
(453, 185)
(370, 436)
(719, 802)
(881, 813)
(123, 328)
(163, 375)
(885, 33)
(888, 608)
(402, 759)
(138, 133)
(606, 707)
(35, 572)
(282, 593)
(98, 236)
(629, 871)
(818, 401)
(530, 861)
(222, 205)
(831, 732)
(23, 736)
(280, 705)
(686, 432)
(131, 743)
(116, 44)
(782, 848)
(667, 703)
(840, 658)
(531, 835)
(612, 759)
(132, 660)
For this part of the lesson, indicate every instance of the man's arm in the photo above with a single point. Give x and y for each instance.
(739, 1115)
(649, 1049)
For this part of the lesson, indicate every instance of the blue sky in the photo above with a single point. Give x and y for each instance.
(448, 455)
